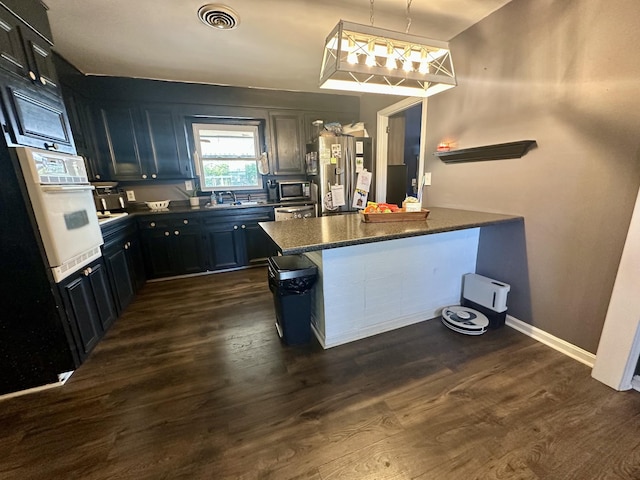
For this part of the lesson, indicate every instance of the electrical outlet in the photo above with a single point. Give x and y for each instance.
(131, 196)
(188, 185)
(427, 178)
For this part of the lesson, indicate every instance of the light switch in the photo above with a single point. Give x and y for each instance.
(427, 178)
(131, 196)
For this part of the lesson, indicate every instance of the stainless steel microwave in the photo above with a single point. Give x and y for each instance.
(294, 190)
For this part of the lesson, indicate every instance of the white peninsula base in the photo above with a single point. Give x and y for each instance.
(367, 289)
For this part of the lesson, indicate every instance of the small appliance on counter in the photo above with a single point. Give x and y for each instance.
(293, 190)
(272, 190)
(108, 198)
(484, 305)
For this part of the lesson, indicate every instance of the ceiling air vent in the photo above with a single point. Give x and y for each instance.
(218, 16)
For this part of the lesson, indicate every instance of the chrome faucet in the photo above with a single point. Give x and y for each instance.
(232, 195)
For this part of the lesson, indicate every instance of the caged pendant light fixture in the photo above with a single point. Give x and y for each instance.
(364, 58)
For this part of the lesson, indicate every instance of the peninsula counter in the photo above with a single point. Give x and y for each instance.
(376, 277)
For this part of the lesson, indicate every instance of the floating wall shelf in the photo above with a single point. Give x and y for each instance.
(488, 152)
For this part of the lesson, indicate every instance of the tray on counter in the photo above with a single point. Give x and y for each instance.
(399, 216)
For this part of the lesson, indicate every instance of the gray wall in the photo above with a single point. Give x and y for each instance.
(566, 74)
(370, 104)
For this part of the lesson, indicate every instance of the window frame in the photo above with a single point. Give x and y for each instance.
(232, 125)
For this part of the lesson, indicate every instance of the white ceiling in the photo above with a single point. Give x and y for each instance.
(278, 44)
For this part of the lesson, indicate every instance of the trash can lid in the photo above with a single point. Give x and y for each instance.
(286, 267)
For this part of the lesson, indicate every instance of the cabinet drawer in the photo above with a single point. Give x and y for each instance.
(168, 221)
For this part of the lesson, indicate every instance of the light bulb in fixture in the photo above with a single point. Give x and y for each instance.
(352, 56)
(371, 57)
(391, 63)
(424, 63)
(407, 65)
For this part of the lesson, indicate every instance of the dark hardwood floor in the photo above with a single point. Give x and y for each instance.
(193, 383)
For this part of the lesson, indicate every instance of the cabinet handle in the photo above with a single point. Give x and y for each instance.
(51, 146)
(144, 175)
(98, 177)
(43, 81)
(176, 232)
(152, 224)
(185, 221)
(235, 227)
(244, 226)
(166, 234)
(126, 246)
(153, 175)
(32, 75)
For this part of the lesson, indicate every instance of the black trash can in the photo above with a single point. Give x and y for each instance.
(291, 280)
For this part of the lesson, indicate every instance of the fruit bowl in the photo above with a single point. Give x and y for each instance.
(158, 205)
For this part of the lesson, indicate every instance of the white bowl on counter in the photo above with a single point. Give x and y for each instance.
(158, 205)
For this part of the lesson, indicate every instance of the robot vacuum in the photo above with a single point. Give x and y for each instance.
(464, 320)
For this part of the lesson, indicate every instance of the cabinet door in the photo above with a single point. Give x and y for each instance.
(167, 147)
(12, 54)
(118, 268)
(257, 243)
(225, 246)
(188, 251)
(287, 143)
(36, 120)
(118, 143)
(157, 250)
(42, 70)
(82, 313)
(136, 263)
(102, 296)
(79, 112)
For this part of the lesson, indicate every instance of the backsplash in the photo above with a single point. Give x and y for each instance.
(177, 192)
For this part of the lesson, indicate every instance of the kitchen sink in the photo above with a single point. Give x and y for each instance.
(236, 204)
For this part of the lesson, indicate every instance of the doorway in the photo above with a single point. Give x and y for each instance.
(395, 134)
(402, 154)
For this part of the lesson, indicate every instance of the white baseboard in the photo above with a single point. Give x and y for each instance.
(62, 379)
(318, 335)
(556, 343)
(541, 336)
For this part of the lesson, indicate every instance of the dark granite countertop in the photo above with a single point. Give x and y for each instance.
(179, 207)
(311, 234)
(184, 207)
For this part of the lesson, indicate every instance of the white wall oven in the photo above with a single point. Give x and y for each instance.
(63, 205)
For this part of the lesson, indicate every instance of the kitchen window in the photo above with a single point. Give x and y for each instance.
(227, 155)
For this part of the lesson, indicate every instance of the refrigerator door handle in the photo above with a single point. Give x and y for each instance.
(351, 169)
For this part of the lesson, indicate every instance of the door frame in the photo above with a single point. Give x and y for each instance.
(382, 141)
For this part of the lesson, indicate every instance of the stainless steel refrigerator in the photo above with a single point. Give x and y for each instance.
(337, 161)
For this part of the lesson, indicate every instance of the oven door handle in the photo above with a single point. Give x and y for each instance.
(66, 188)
